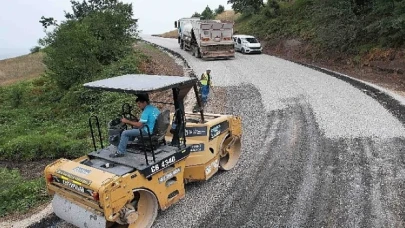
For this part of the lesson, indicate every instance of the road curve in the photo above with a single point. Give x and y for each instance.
(317, 152)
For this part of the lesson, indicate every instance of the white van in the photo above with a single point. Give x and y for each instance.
(247, 44)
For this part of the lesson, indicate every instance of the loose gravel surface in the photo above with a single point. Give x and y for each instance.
(316, 151)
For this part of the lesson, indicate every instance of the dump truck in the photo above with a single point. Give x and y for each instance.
(206, 38)
(96, 190)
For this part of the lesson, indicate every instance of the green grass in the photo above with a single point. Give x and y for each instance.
(20, 195)
(38, 121)
(290, 20)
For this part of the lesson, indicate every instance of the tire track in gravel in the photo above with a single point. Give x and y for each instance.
(202, 197)
(351, 190)
(300, 178)
(278, 188)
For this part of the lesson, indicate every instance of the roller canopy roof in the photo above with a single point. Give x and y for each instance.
(142, 83)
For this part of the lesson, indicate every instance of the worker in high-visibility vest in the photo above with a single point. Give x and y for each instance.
(205, 83)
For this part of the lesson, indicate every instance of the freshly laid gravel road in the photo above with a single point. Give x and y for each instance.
(317, 152)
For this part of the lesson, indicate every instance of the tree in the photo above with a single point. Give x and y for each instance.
(196, 14)
(207, 14)
(96, 34)
(386, 23)
(220, 9)
(46, 22)
(246, 6)
(35, 49)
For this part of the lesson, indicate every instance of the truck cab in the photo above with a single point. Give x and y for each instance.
(247, 44)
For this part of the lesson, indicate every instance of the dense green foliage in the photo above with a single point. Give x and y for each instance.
(220, 9)
(196, 14)
(48, 117)
(208, 13)
(40, 120)
(96, 34)
(334, 25)
(35, 49)
(246, 6)
(17, 194)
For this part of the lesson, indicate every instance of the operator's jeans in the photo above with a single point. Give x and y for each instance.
(122, 147)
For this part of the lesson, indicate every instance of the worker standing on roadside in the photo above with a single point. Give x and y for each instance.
(205, 83)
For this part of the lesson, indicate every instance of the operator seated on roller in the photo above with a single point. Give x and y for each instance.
(148, 117)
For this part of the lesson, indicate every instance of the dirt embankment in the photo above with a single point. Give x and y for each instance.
(171, 34)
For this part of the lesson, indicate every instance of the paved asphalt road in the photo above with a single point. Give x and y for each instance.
(317, 152)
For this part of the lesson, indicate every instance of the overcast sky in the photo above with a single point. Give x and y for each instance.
(20, 29)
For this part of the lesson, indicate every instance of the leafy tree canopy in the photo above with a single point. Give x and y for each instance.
(95, 34)
(196, 14)
(246, 6)
(207, 14)
(220, 9)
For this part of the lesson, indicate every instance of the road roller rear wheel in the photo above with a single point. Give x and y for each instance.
(230, 152)
(141, 212)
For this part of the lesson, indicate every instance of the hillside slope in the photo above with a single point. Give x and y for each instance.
(21, 68)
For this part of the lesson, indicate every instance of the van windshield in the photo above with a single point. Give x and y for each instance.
(251, 40)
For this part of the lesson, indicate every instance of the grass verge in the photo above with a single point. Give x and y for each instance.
(18, 194)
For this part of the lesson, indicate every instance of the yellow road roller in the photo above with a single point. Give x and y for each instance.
(99, 190)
